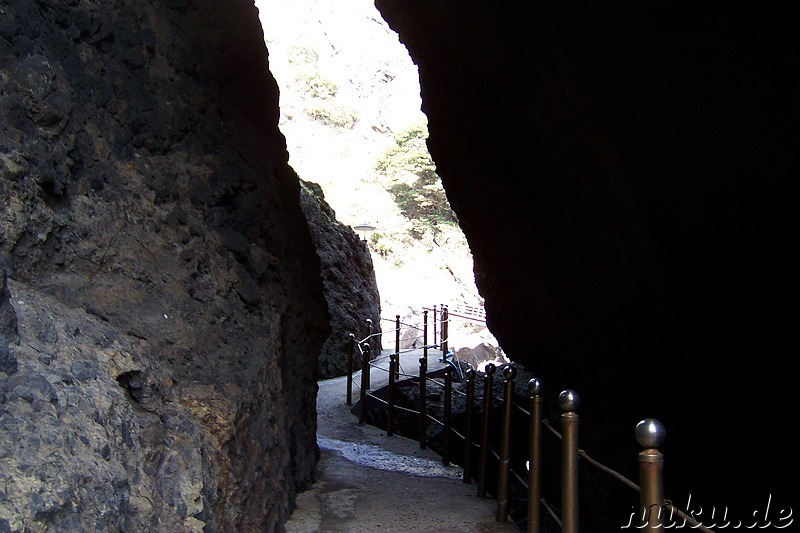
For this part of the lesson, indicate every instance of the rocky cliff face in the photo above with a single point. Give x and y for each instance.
(348, 279)
(625, 178)
(163, 313)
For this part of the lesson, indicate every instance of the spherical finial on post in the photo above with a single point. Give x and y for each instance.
(490, 368)
(470, 373)
(535, 455)
(569, 400)
(509, 372)
(650, 433)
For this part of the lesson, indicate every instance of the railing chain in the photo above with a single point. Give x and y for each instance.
(649, 433)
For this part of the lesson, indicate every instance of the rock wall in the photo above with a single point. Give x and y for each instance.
(349, 283)
(625, 178)
(160, 324)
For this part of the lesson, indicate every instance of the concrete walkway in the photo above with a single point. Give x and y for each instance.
(369, 482)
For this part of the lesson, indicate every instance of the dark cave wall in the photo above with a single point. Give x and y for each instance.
(625, 178)
(165, 308)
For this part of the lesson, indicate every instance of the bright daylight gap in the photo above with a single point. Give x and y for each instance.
(350, 111)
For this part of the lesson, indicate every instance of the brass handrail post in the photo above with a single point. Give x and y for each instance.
(423, 400)
(423, 383)
(448, 399)
(350, 356)
(364, 382)
(569, 401)
(484, 451)
(535, 457)
(397, 342)
(445, 329)
(509, 373)
(435, 324)
(470, 372)
(425, 333)
(369, 342)
(393, 364)
(650, 434)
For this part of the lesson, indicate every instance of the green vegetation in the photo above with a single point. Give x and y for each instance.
(330, 114)
(318, 91)
(405, 170)
(380, 244)
(315, 86)
(413, 182)
(303, 56)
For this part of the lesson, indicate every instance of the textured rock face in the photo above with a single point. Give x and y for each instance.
(8, 329)
(164, 310)
(624, 176)
(348, 279)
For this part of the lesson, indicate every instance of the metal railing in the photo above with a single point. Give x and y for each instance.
(657, 513)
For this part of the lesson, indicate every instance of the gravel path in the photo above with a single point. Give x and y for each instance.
(367, 481)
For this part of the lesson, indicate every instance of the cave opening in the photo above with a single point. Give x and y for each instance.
(350, 109)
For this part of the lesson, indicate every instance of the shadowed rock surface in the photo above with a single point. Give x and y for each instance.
(348, 280)
(625, 178)
(169, 307)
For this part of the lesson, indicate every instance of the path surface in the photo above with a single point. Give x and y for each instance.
(368, 482)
